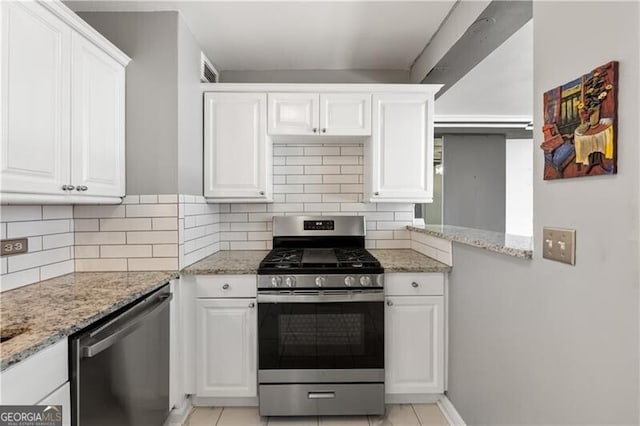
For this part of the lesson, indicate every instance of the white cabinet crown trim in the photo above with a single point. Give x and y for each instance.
(321, 88)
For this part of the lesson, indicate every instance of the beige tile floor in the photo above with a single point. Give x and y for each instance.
(397, 415)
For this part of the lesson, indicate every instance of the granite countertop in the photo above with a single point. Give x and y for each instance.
(228, 262)
(407, 260)
(511, 245)
(51, 310)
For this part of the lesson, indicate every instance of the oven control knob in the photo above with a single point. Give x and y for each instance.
(349, 281)
(290, 281)
(365, 281)
(276, 281)
(320, 281)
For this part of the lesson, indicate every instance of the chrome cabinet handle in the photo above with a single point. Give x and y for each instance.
(82, 188)
(324, 130)
(225, 287)
(389, 303)
(376, 193)
(252, 305)
(70, 187)
(414, 284)
(261, 192)
(315, 130)
(64, 187)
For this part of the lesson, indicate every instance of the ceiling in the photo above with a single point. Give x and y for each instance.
(269, 35)
(502, 84)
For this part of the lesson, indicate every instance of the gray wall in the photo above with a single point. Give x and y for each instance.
(539, 342)
(152, 95)
(316, 76)
(190, 145)
(474, 181)
(164, 102)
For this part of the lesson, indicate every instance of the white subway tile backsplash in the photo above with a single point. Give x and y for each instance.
(350, 170)
(152, 237)
(152, 210)
(99, 238)
(248, 226)
(340, 179)
(322, 150)
(283, 151)
(296, 161)
(96, 212)
(131, 199)
(321, 170)
(322, 189)
(288, 170)
(340, 160)
(102, 265)
(303, 198)
(86, 225)
(288, 189)
(165, 250)
(127, 251)
(164, 223)
(35, 244)
(248, 208)
(57, 212)
(248, 245)
(56, 269)
(292, 179)
(153, 264)
(149, 199)
(18, 279)
(57, 240)
(86, 252)
(42, 227)
(127, 224)
(38, 258)
(20, 213)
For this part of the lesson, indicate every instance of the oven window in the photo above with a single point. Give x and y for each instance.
(321, 335)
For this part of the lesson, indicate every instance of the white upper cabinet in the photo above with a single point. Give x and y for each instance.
(237, 154)
(345, 114)
(330, 114)
(293, 113)
(400, 154)
(62, 87)
(35, 99)
(97, 142)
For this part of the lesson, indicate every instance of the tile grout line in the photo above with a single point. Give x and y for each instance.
(415, 413)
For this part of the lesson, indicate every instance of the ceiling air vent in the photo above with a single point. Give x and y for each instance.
(208, 73)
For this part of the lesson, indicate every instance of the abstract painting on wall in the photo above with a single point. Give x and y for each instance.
(580, 126)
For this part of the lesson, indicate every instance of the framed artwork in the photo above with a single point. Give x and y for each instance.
(580, 126)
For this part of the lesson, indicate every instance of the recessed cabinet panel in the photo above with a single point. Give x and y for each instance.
(98, 131)
(401, 151)
(35, 99)
(293, 113)
(237, 153)
(346, 114)
(226, 348)
(414, 342)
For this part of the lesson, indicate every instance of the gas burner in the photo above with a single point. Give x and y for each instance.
(355, 257)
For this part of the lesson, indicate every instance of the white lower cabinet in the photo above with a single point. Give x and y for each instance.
(61, 396)
(414, 335)
(226, 347)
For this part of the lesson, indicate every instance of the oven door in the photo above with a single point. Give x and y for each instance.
(321, 336)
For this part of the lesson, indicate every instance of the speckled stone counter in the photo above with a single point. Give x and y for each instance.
(511, 245)
(228, 262)
(407, 260)
(51, 310)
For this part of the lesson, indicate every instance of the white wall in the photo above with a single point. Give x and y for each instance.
(540, 342)
(519, 187)
(315, 76)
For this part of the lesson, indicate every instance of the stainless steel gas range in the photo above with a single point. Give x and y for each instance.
(320, 320)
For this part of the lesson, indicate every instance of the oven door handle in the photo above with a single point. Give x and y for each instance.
(320, 298)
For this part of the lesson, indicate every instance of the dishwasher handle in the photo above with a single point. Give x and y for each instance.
(128, 326)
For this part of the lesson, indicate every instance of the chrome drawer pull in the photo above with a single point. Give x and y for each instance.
(252, 305)
(389, 303)
(321, 395)
(414, 284)
(225, 287)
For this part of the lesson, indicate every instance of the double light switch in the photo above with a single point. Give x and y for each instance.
(559, 245)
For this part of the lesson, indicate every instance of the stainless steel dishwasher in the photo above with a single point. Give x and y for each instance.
(120, 366)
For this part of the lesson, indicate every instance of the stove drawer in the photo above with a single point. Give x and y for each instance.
(322, 399)
(405, 284)
(225, 286)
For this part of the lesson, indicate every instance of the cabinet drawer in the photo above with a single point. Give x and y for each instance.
(30, 380)
(225, 285)
(425, 284)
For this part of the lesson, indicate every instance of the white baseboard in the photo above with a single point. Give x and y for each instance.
(450, 413)
(411, 398)
(224, 402)
(179, 415)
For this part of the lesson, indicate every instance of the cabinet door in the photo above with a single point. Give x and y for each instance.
(98, 132)
(61, 396)
(35, 99)
(237, 154)
(226, 347)
(293, 113)
(414, 345)
(401, 150)
(345, 114)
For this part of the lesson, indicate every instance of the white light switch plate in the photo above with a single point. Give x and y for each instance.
(559, 245)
